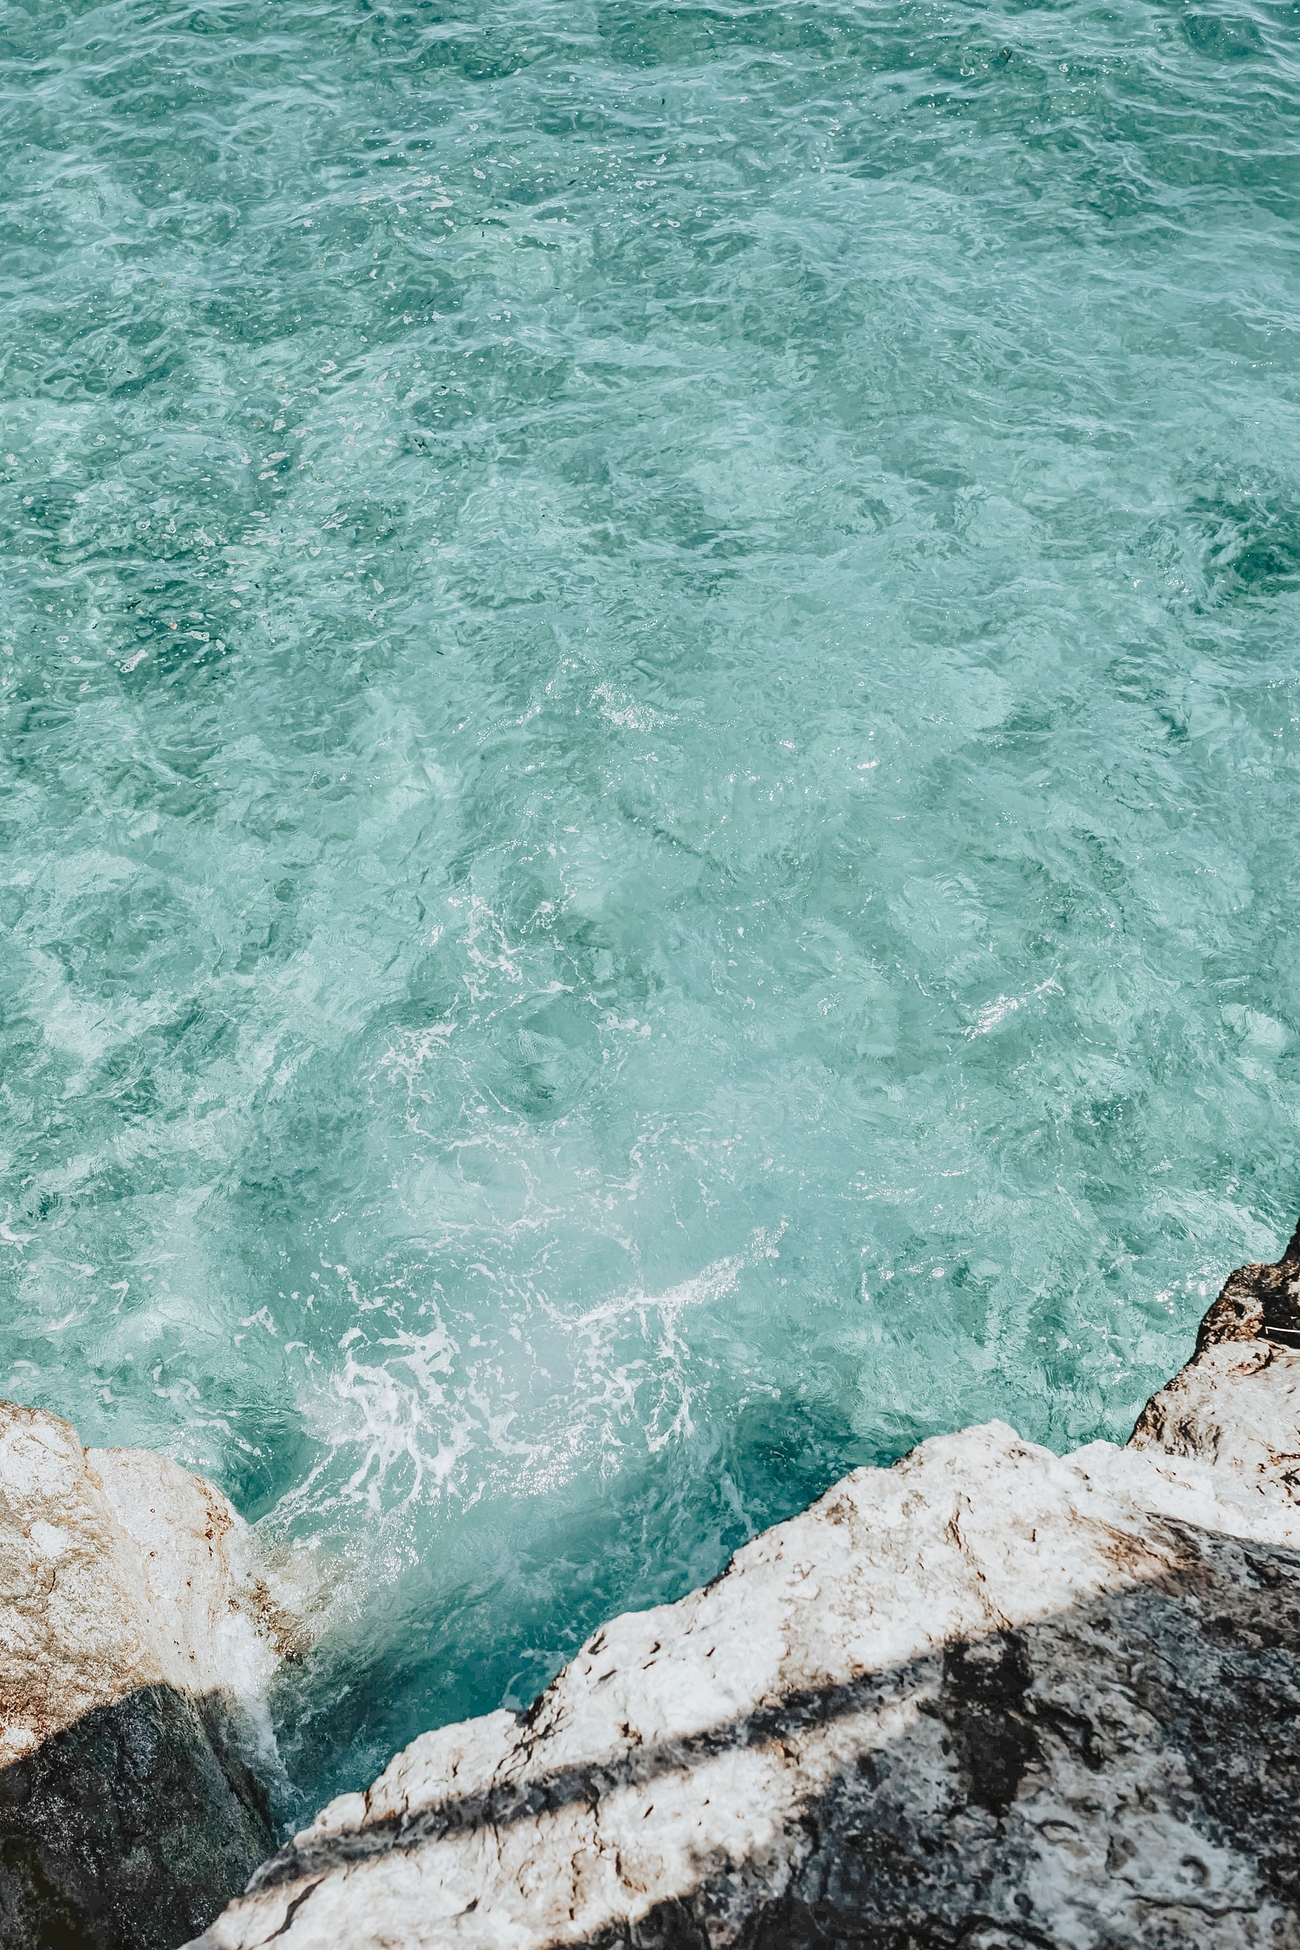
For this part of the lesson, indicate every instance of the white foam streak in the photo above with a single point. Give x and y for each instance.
(538, 1398)
(993, 1013)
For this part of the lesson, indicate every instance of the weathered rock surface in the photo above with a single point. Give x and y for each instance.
(134, 1643)
(988, 1698)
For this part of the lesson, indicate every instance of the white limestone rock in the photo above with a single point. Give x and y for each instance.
(136, 1642)
(1237, 1402)
(989, 1698)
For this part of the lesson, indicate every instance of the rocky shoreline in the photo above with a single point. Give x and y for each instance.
(990, 1698)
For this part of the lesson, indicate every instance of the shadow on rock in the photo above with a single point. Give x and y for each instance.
(129, 1829)
(1132, 1763)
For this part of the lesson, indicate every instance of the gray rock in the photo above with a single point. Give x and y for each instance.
(136, 1639)
(985, 1700)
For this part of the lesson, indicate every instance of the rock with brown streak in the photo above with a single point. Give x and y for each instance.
(135, 1643)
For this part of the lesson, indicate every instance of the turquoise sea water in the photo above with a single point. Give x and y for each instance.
(651, 764)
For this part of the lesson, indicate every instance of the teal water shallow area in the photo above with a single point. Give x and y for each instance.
(651, 765)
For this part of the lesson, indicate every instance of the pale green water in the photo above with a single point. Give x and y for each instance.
(650, 741)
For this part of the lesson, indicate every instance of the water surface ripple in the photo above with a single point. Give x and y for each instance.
(650, 739)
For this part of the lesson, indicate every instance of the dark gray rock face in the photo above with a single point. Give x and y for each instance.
(129, 1828)
(989, 1699)
(966, 1865)
(134, 1641)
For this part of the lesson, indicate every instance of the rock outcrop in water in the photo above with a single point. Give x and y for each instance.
(135, 1639)
(988, 1698)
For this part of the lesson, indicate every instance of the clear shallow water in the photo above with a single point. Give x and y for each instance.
(650, 740)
